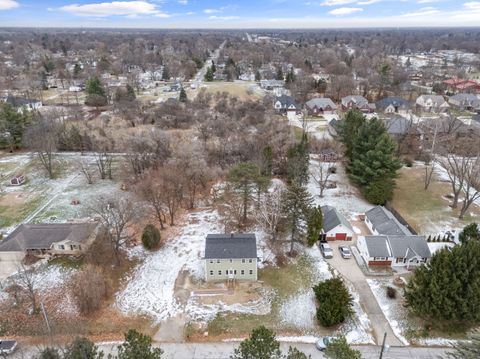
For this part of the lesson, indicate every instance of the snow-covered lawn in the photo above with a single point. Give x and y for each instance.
(436, 246)
(391, 308)
(397, 315)
(345, 198)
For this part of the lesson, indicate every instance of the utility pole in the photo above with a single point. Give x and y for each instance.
(383, 345)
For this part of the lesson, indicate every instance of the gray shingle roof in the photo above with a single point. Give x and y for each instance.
(377, 246)
(234, 246)
(384, 222)
(286, 101)
(332, 218)
(42, 236)
(320, 102)
(409, 246)
(394, 101)
(398, 125)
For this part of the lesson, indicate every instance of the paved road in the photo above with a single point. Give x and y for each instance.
(349, 269)
(199, 77)
(224, 350)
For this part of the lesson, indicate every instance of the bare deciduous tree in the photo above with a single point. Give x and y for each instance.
(150, 190)
(269, 211)
(321, 174)
(27, 281)
(42, 138)
(117, 216)
(104, 161)
(471, 186)
(86, 170)
(456, 168)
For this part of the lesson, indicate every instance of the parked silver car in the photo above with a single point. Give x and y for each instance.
(7, 346)
(345, 252)
(326, 250)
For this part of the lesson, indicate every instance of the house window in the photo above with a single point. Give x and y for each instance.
(242, 272)
(219, 272)
(211, 272)
(72, 247)
(400, 260)
(250, 260)
(211, 261)
(230, 261)
(61, 246)
(218, 260)
(235, 272)
(379, 258)
(243, 260)
(251, 271)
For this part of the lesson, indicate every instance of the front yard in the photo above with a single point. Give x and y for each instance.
(428, 211)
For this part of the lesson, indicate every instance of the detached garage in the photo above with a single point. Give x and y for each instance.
(335, 225)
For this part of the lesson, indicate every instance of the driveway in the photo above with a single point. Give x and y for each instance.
(349, 270)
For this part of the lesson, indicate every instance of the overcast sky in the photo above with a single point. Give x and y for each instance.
(239, 14)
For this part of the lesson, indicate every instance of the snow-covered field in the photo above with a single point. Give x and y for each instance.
(345, 198)
(151, 289)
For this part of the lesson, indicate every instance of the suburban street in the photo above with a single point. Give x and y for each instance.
(224, 350)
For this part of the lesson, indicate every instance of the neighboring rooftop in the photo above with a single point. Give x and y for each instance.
(401, 246)
(332, 218)
(234, 246)
(42, 236)
(384, 222)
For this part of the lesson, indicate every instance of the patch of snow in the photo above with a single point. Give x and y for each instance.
(207, 312)
(299, 310)
(435, 342)
(387, 305)
(357, 230)
(306, 339)
(150, 290)
(436, 246)
(345, 198)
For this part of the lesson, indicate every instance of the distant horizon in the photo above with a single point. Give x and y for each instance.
(239, 15)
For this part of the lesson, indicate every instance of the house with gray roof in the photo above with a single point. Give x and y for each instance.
(432, 103)
(230, 257)
(45, 240)
(284, 104)
(335, 225)
(357, 102)
(380, 221)
(393, 105)
(319, 106)
(465, 101)
(394, 250)
(22, 103)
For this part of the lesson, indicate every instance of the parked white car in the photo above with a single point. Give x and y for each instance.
(326, 250)
(322, 343)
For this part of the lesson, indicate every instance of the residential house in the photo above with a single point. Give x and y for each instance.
(465, 101)
(46, 240)
(432, 103)
(231, 256)
(390, 105)
(463, 85)
(335, 225)
(21, 103)
(285, 104)
(380, 221)
(357, 102)
(394, 250)
(319, 106)
(272, 84)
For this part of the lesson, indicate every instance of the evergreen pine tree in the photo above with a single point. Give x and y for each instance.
(467, 349)
(183, 95)
(261, 344)
(82, 348)
(315, 225)
(354, 119)
(447, 290)
(470, 232)
(296, 204)
(338, 348)
(334, 302)
(209, 75)
(138, 345)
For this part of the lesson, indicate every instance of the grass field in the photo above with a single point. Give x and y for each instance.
(427, 211)
(239, 89)
(286, 281)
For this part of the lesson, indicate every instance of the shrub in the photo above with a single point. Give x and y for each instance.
(151, 237)
(82, 348)
(90, 288)
(334, 302)
(408, 162)
(391, 292)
